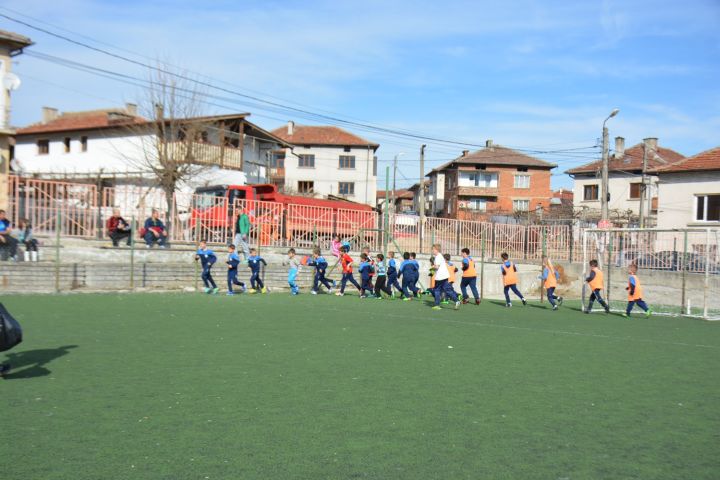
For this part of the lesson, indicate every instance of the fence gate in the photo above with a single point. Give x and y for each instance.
(307, 225)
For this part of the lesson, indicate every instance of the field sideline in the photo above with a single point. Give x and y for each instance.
(191, 386)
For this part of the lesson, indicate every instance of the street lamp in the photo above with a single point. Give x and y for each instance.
(605, 213)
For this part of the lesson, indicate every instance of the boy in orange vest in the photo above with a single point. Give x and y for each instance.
(469, 277)
(596, 283)
(509, 272)
(635, 293)
(551, 277)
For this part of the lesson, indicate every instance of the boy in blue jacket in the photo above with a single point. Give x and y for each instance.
(254, 261)
(207, 259)
(365, 269)
(232, 262)
(409, 271)
(321, 265)
(392, 274)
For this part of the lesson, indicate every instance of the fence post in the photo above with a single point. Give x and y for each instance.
(706, 288)
(457, 237)
(609, 265)
(684, 272)
(482, 268)
(544, 253)
(132, 253)
(386, 212)
(197, 239)
(57, 253)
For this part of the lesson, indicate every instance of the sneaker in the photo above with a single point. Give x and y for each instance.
(363, 296)
(251, 290)
(649, 313)
(586, 311)
(331, 291)
(408, 299)
(244, 288)
(607, 309)
(508, 305)
(457, 304)
(313, 292)
(446, 302)
(437, 307)
(264, 290)
(339, 294)
(465, 301)
(560, 300)
(625, 315)
(555, 307)
(477, 301)
(206, 289)
(524, 302)
(215, 290)
(230, 293)
(392, 295)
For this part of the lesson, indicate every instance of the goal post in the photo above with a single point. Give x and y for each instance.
(679, 269)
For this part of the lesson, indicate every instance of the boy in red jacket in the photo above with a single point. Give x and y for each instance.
(346, 262)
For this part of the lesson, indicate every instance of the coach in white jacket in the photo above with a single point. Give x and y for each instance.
(442, 275)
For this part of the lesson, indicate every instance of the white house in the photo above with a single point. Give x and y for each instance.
(325, 160)
(690, 192)
(113, 145)
(436, 193)
(625, 179)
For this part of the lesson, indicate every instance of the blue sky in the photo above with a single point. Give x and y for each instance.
(537, 75)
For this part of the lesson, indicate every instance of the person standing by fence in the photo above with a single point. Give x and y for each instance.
(242, 234)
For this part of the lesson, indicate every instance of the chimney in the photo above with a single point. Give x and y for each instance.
(159, 111)
(489, 143)
(619, 148)
(290, 127)
(131, 109)
(49, 114)
(651, 143)
(465, 153)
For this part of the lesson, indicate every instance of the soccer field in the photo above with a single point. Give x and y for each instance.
(189, 386)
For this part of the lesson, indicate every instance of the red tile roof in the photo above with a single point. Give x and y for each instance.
(321, 135)
(91, 120)
(496, 155)
(631, 160)
(399, 193)
(709, 160)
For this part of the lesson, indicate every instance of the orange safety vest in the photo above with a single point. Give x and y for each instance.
(510, 277)
(597, 283)
(551, 281)
(452, 270)
(638, 290)
(470, 272)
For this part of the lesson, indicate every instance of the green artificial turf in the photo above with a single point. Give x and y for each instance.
(190, 386)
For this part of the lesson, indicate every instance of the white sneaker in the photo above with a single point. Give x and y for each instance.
(313, 292)
(339, 294)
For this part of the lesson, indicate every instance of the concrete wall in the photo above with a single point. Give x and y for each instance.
(326, 174)
(677, 198)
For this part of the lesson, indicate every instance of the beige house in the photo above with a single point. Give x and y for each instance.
(689, 192)
(625, 181)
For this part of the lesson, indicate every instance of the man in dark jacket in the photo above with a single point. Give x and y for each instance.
(118, 228)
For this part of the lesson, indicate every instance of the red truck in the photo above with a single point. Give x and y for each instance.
(275, 215)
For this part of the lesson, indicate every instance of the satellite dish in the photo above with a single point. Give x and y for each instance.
(11, 81)
(15, 165)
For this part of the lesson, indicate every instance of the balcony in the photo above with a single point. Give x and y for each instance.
(477, 191)
(206, 154)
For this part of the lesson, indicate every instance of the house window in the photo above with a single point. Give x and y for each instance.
(522, 181)
(306, 161)
(590, 192)
(475, 179)
(43, 147)
(707, 208)
(277, 160)
(477, 204)
(346, 188)
(347, 161)
(66, 144)
(306, 186)
(83, 144)
(521, 205)
(635, 190)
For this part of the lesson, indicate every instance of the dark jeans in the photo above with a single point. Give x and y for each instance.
(392, 281)
(348, 277)
(515, 290)
(118, 235)
(472, 283)
(596, 295)
(551, 296)
(150, 238)
(9, 244)
(408, 285)
(639, 302)
(444, 286)
(367, 286)
(255, 281)
(380, 286)
(320, 279)
(31, 245)
(233, 280)
(207, 278)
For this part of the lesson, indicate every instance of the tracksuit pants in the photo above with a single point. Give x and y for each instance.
(207, 278)
(515, 290)
(348, 277)
(551, 296)
(367, 286)
(381, 286)
(292, 280)
(444, 287)
(639, 302)
(392, 281)
(255, 281)
(597, 295)
(319, 279)
(472, 283)
(233, 280)
(408, 285)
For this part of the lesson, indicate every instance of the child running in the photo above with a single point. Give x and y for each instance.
(452, 270)
(293, 272)
(510, 279)
(254, 261)
(442, 276)
(469, 277)
(392, 275)
(409, 271)
(365, 268)
(366, 251)
(381, 284)
(551, 278)
(232, 262)
(595, 281)
(346, 262)
(635, 293)
(321, 265)
(207, 259)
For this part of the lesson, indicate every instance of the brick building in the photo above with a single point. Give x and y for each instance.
(491, 181)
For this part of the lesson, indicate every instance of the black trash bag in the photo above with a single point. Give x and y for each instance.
(10, 330)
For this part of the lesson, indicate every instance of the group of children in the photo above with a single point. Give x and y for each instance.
(385, 276)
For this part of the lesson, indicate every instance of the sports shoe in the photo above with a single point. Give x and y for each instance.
(331, 291)
(363, 296)
(340, 294)
(586, 311)
(407, 299)
(465, 301)
(206, 289)
(457, 304)
(244, 288)
(555, 307)
(251, 290)
(436, 307)
(446, 302)
(264, 290)
(524, 302)
(215, 290)
(560, 300)
(293, 293)
(649, 313)
(230, 293)
(625, 315)
(477, 301)
(313, 292)
(508, 305)
(607, 309)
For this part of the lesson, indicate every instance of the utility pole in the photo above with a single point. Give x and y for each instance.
(395, 160)
(421, 191)
(605, 211)
(642, 185)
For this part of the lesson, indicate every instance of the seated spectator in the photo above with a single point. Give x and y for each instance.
(118, 228)
(27, 238)
(155, 231)
(8, 243)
